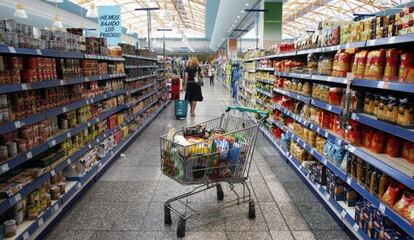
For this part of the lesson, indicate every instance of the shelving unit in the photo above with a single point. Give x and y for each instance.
(75, 187)
(397, 168)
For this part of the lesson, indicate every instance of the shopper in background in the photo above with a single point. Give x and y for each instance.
(192, 88)
(211, 74)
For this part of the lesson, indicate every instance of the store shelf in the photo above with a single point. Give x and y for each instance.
(244, 97)
(247, 90)
(264, 92)
(297, 118)
(328, 134)
(102, 57)
(298, 97)
(387, 211)
(345, 215)
(260, 102)
(140, 77)
(140, 99)
(397, 168)
(139, 57)
(384, 126)
(55, 53)
(329, 79)
(395, 86)
(267, 69)
(370, 43)
(391, 40)
(327, 106)
(140, 66)
(8, 127)
(55, 83)
(31, 229)
(23, 157)
(265, 81)
(141, 88)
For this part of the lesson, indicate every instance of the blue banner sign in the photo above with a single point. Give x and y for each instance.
(110, 23)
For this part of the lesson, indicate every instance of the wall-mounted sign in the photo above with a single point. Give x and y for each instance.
(110, 23)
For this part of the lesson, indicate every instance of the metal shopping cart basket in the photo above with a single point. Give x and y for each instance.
(208, 154)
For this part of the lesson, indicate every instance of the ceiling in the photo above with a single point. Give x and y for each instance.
(183, 16)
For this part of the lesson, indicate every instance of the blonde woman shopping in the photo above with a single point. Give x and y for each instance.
(192, 88)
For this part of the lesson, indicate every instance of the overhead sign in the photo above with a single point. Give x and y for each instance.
(110, 23)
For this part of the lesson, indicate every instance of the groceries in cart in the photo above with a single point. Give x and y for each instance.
(199, 154)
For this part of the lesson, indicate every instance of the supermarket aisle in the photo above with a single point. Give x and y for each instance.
(127, 202)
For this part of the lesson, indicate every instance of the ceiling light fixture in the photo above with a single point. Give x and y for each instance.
(238, 16)
(246, 4)
(55, 1)
(92, 11)
(20, 12)
(129, 30)
(57, 23)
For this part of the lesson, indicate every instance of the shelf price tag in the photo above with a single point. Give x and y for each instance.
(382, 207)
(343, 213)
(100, 165)
(52, 143)
(29, 155)
(327, 196)
(17, 124)
(69, 161)
(12, 50)
(355, 227)
(38, 52)
(17, 198)
(78, 186)
(89, 146)
(40, 222)
(64, 109)
(4, 167)
(391, 40)
(56, 207)
(26, 236)
(53, 173)
(68, 135)
(325, 162)
(351, 149)
(24, 86)
(349, 180)
(329, 107)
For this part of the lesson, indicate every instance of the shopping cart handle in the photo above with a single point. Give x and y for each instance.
(264, 114)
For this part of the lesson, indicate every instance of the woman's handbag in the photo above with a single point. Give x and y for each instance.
(198, 79)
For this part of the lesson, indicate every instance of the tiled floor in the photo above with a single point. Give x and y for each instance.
(127, 201)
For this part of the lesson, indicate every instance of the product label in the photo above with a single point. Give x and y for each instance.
(38, 52)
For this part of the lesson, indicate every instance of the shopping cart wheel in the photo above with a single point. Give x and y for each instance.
(167, 214)
(220, 193)
(252, 210)
(181, 228)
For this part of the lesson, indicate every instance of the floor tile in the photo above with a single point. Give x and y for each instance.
(71, 235)
(337, 235)
(273, 216)
(264, 235)
(292, 216)
(304, 235)
(281, 235)
(115, 235)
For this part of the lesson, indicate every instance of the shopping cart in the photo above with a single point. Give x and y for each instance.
(208, 154)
